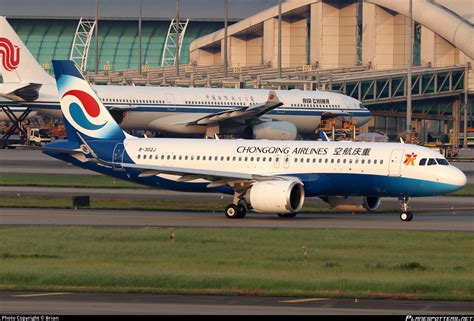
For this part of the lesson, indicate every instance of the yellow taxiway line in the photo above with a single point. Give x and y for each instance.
(36, 295)
(305, 300)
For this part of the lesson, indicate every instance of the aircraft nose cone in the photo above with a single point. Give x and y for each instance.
(456, 178)
(459, 178)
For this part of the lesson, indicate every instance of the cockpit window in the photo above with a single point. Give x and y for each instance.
(422, 162)
(442, 161)
(431, 161)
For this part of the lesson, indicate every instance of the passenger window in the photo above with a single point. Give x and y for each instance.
(381, 161)
(325, 160)
(338, 160)
(332, 160)
(362, 161)
(162, 156)
(375, 161)
(138, 156)
(251, 159)
(431, 161)
(344, 160)
(198, 157)
(296, 160)
(168, 157)
(368, 161)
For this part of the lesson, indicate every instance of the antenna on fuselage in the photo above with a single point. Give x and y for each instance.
(401, 140)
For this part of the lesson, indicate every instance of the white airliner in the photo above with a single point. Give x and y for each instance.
(181, 111)
(263, 175)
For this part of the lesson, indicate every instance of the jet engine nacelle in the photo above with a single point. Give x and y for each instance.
(354, 203)
(276, 130)
(276, 196)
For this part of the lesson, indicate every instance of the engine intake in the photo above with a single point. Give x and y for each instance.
(277, 130)
(354, 203)
(280, 197)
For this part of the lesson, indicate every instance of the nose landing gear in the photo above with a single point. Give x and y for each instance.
(405, 215)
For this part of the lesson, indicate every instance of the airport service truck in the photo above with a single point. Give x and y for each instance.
(38, 137)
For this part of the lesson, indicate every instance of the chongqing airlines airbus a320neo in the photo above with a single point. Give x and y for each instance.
(264, 176)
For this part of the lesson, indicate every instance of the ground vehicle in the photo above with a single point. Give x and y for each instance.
(38, 137)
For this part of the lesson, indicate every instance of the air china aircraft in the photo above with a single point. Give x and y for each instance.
(180, 111)
(264, 175)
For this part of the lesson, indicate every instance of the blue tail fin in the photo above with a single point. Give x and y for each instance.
(83, 112)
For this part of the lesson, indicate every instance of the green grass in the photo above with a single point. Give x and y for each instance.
(64, 180)
(237, 261)
(467, 190)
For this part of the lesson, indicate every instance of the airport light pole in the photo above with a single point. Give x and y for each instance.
(226, 17)
(140, 39)
(96, 37)
(279, 39)
(410, 62)
(178, 35)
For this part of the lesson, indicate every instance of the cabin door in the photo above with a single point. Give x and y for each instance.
(394, 167)
(170, 102)
(277, 161)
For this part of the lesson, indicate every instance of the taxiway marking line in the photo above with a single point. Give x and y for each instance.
(36, 295)
(304, 300)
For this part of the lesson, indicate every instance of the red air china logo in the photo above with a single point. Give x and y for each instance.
(10, 54)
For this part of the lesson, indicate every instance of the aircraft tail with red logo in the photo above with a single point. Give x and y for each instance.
(17, 64)
(85, 117)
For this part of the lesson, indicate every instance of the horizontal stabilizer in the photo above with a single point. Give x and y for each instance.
(20, 91)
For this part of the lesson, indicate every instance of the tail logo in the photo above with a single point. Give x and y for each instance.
(10, 54)
(89, 105)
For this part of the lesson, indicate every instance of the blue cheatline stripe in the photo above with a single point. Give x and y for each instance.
(213, 109)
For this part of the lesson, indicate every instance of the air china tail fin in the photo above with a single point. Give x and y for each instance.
(85, 117)
(17, 64)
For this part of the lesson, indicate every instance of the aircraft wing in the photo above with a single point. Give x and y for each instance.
(240, 113)
(216, 177)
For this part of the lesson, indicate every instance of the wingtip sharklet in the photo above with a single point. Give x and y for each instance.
(273, 97)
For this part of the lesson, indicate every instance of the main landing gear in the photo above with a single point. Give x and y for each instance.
(238, 208)
(235, 211)
(405, 215)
